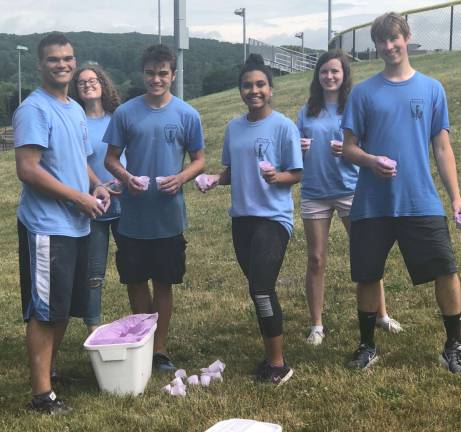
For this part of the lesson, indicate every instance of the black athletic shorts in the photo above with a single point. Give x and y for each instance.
(53, 275)
(162, 260)
(424, 242)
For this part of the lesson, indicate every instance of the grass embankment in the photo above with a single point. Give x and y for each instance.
(214, 318)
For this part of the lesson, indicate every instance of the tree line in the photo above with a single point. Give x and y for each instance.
(209, 65)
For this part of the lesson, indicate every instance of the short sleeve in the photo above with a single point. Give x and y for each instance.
(439, 111)
(116, 132)
(354, 114)
(291, 148)
(30, 126)
(194, 134)
(225, 157)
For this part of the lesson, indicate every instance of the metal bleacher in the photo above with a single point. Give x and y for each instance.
(283, 59)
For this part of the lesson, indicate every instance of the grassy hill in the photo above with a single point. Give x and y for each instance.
(214, 318)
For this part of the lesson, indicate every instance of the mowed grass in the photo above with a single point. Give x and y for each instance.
(214, 318)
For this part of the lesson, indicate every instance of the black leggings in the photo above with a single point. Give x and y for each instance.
(260, 246)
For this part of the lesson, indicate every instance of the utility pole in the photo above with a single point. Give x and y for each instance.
(19, 49)
(329, 22)
(181, 40)
(242, 12)
(159, 23)
(300, 35)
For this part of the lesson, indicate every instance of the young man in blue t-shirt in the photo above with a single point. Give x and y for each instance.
(156, 130)
(51, 149)
(389, 121)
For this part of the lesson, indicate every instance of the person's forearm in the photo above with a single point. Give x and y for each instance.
(113, 165)
(289, 177)
(446, 166)
(192, 170)
(355, 155)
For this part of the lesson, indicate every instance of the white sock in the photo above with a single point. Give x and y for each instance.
(317, 328)
(384, 319)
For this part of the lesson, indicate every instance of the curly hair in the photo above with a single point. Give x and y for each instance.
(255, 62)
(109, 96)
(316, 101)
(158, 54)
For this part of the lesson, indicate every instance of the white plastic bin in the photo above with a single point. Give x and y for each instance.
(242, 425)
(123, 368)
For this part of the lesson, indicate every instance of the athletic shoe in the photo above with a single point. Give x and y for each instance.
(48, 405)
(162, 363)
(363, 357)
(315, 337)
(451, 358)
(391, 325)
(272, 374)
(280, 375)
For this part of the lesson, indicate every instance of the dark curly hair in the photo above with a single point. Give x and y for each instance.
(158, 54)
(255, 62)
(316, 101)
(109, 95)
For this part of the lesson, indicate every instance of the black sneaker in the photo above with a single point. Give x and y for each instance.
(272, 374)
(280, 375)
(48, 405)
(451, 358)
(162, 363)
(363, 357)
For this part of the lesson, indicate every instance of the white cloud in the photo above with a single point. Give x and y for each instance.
(267, 20)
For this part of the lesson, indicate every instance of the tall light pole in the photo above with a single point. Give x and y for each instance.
(159, 23)
(19, 49)
(300, 35)
(329, 22)
(181, 39)
(241, 12)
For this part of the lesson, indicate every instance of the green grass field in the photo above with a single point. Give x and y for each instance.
(213, 318)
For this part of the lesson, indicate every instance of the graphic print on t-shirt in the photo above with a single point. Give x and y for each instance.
(261, 146)
(417, 107)
(171, 131)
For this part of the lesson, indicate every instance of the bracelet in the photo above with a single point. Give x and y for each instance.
(99, 185)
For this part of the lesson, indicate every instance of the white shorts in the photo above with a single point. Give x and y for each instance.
(323, 209)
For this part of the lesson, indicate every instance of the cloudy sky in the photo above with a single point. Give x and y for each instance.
(271, 21)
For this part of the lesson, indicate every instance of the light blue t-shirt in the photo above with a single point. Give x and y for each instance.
(274, 139)
(60, 129)
(155, 143)
(325, 176)
(397, 120)
(96, 129)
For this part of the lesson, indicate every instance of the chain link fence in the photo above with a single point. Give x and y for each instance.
(435, 28)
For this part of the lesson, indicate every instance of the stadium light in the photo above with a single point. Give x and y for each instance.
(300, 35)
(20, 48)
(241, 12)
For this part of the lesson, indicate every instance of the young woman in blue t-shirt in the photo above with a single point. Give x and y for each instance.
(263, 160)
(93, 89)
(328, 181)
